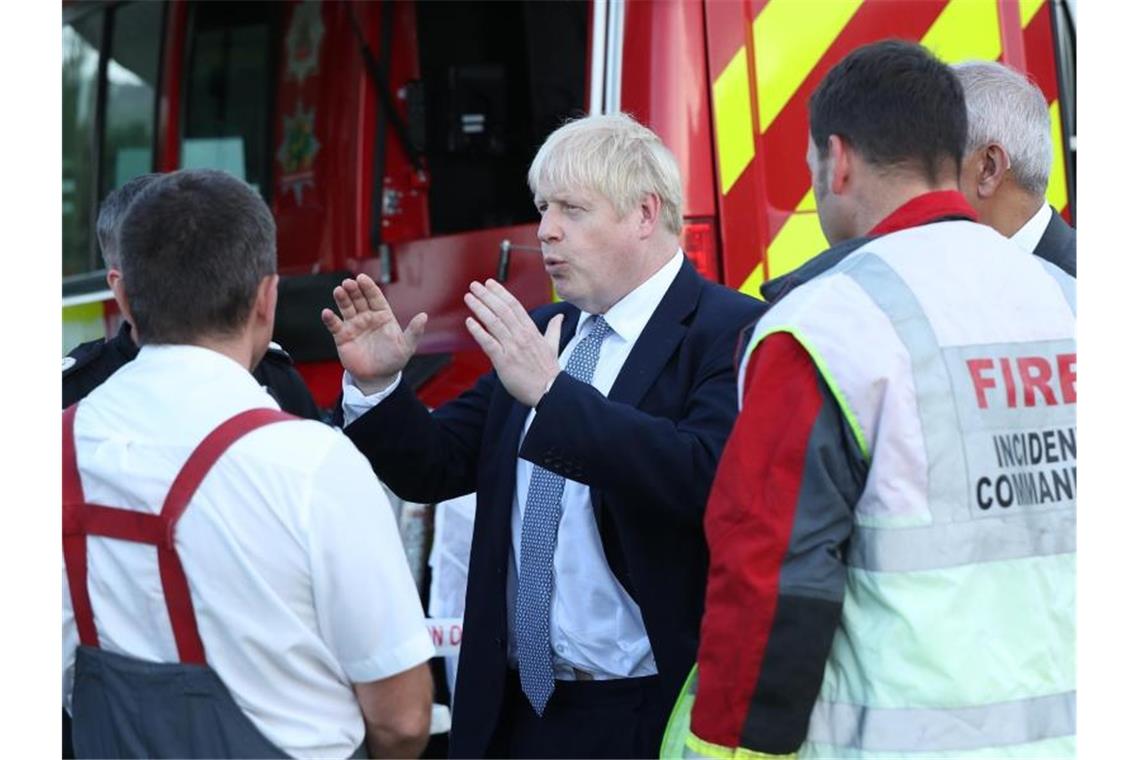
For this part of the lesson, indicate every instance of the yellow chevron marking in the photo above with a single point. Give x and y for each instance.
(965, 30)
(1029, 9)
(797, 241)
(81, 323)
(732, 115)
(789, 37)
(1057, 193)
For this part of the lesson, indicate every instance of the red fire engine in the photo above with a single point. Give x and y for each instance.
(393, 138)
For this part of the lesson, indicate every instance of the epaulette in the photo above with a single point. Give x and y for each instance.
(82, 355)
(278, 353)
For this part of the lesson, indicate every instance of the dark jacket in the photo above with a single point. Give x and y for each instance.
(1058, 244)
(648, 451)
(90, 364)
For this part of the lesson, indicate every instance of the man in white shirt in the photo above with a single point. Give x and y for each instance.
(280, 618)
(1009, 154)
(591, 449)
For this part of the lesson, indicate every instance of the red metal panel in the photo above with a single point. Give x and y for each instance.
(665, 86)
(323, 380)
(742, 224)
(785, 142)
(464, 369)
(302, 205)
(745, 226)
(1012, 43)
(169, 127)
(411, 221)
(324, 211)
(1040, 60)
(725, 31)
(434, 274)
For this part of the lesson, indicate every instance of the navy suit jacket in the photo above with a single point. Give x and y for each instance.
(1058, 244)
(648, 451)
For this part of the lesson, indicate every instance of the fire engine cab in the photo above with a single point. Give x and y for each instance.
(393, 137)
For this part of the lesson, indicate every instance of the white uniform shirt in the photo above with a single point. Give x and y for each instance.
(299, 582)
(595, 626)
(1032, 231)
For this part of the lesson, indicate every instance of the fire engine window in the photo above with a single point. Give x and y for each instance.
(497, 79)
(132, 81)
(81, 41)
(229, 90)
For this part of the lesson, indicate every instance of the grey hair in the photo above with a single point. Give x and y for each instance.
(111, 213)
(615, 156)
(1006, 108)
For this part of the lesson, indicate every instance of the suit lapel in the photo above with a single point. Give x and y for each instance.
(571, 315)
(659, 339)
(642, 367)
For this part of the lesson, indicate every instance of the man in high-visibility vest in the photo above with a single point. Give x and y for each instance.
(891, 528)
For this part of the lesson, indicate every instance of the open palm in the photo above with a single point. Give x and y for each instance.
(371, 345)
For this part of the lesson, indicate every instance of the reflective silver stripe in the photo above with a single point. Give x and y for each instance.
(946, 459)
(951, 541)
(615, 48)
(597, 57)
(902, 550)
(965, 728)
(82, 298)
(1068, 284)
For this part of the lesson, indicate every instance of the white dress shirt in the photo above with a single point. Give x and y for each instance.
(1031, 232)
(298, 579)
(595, 626)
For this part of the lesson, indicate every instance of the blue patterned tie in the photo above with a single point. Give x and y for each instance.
(539, 536)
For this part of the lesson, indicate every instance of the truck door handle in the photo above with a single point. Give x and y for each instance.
(505, 249)
(387, 269)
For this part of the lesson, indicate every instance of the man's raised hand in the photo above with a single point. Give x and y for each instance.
(525, 359)
(369, 341)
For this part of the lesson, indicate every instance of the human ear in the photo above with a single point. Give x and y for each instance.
(265, 305)
(995, 164)
(648, 213)
(839, 162)
(119, 291)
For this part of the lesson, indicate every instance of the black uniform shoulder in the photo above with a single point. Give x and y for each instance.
(86, 367)
(82, 356)
(277, 355)
(276, 372)
(89, 364)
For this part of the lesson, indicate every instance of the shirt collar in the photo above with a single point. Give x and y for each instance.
(1030, 233)
(924, 209)
(195, 363)
(628, 317)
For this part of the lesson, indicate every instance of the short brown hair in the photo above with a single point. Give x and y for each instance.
(195, 244)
